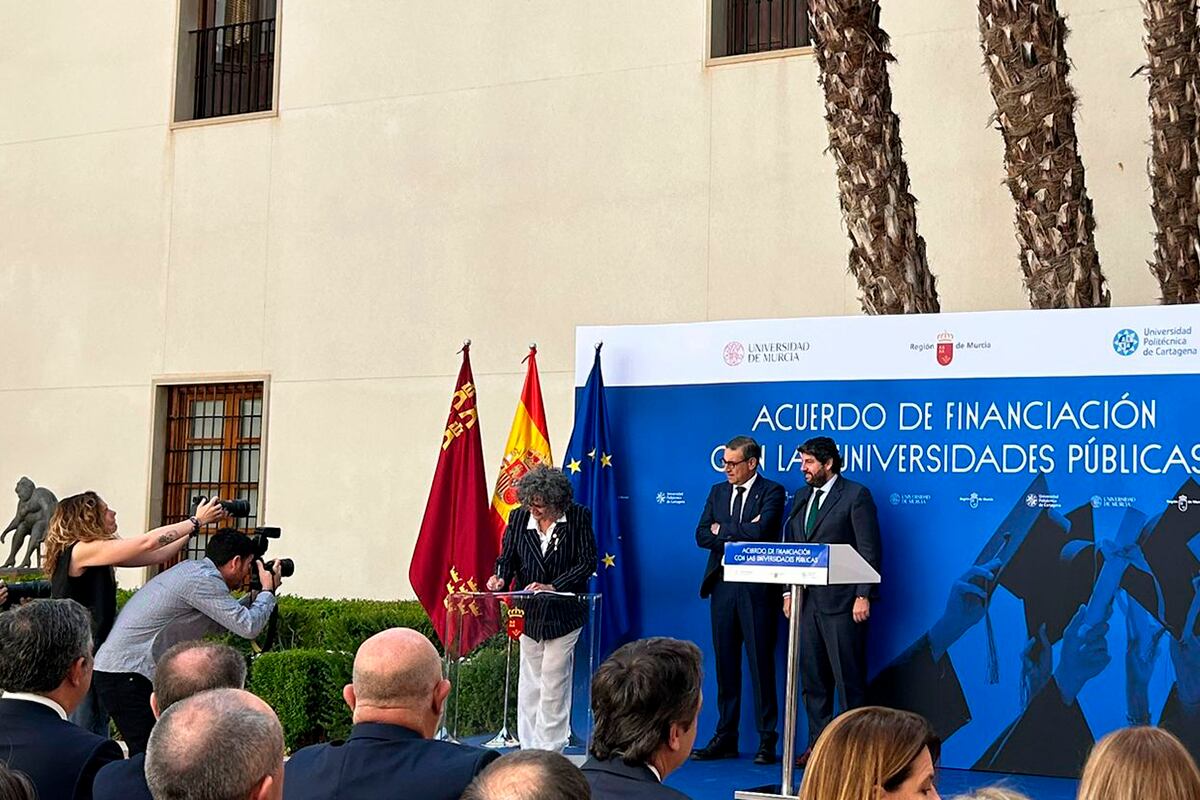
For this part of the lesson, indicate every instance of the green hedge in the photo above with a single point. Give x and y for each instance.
(305, 689)
(343, 625)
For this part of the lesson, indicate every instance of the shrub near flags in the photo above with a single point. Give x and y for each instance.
(457, 547)
(528, 446)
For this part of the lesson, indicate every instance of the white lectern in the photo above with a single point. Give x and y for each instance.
(796, 565)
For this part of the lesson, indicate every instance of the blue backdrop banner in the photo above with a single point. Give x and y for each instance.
(1035, 477)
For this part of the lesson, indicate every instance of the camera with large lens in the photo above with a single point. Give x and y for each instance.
(27, 590)
(262, 538)
(235, 508)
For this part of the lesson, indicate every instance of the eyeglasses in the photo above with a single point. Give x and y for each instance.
(732, 464)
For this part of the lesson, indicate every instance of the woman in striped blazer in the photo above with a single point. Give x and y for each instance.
(548, 546)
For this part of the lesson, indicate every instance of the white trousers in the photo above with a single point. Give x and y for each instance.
(544, 692)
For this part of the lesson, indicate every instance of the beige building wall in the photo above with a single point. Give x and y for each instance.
(499, 171)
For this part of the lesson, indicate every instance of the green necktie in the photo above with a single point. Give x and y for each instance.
(811, 521)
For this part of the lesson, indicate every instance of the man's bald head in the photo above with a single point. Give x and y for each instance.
(397, 668)
(189, 668)
(529, 775)
(220, 745)
(398, 681)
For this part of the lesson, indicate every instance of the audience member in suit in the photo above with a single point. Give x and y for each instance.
(222, 744)
(745, 507)
(46, 671)
(186, 669)
(548, 546)
(833, 510)
(397, 698)
(645, 702)
(15, 785)
(529, 775)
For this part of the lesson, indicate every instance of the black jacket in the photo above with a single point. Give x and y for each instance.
(764, 502)
(568, 564)
(122, 780)
(59, 757)
(847, 516)
(613, 779)
(380, 761)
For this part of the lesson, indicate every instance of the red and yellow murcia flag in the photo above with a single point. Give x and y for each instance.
(528, 446)
(457, 546)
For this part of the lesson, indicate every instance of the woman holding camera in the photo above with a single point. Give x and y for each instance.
(82, 548)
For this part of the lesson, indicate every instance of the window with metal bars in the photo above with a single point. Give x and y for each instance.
(747, 27)
(213, 448)
(227, 51)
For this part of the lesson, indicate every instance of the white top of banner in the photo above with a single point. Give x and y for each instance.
(1156, 340)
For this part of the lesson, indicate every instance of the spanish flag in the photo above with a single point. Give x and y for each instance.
(528, 446)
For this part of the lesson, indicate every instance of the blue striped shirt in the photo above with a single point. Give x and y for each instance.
(188, 601)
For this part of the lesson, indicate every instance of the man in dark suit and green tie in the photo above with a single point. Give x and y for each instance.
(745, 507)
(832, 509)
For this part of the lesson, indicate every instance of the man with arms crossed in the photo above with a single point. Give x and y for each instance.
(745, 507)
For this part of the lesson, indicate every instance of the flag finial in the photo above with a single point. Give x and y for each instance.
(466, 348)
(599, 345)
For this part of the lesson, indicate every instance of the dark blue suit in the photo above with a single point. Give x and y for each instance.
(742, 612)
(59, 757)
(834, 649)
(122, 780)
(613, 779)
(380, 761)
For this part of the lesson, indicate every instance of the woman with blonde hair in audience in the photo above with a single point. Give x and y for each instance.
(1139, 764)
(873, 753)
(82, 547)
(992, 793)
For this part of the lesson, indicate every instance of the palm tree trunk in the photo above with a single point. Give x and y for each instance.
(887, 255)
(1171, 47)
(1026, 63)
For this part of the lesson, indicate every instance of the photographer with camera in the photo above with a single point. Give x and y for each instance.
(189, 601)
(83, 547)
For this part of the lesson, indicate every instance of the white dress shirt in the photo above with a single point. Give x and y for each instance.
(745, 487)
(544, 537)
(823, 496)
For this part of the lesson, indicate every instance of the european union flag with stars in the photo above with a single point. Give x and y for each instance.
(591, 465)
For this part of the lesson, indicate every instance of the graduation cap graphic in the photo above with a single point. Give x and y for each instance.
(1168, 544)
(1053, 570)
(1046, 560)
(1011, 532)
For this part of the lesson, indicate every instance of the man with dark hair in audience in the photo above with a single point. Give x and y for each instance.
(645, 702)
(186, 669)
(529, 775)
(397, 698)
(45, 672)
(188, 601)
(222, 744)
